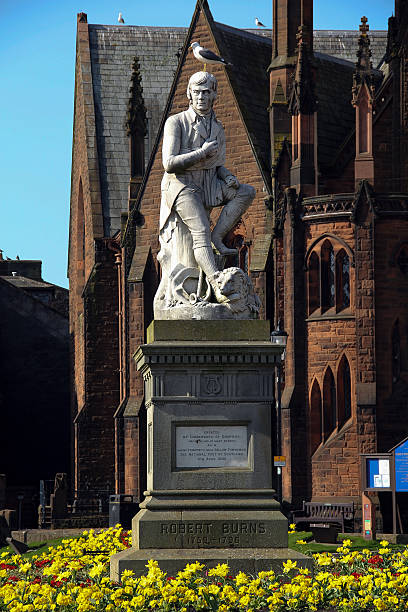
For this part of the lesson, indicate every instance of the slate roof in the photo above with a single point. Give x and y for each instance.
(27, 283)
(335, 114)
(343, 44)
(113, 49)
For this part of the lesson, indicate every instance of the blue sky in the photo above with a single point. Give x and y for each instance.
(37, 51)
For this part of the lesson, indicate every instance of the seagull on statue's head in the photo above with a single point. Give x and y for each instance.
(206, 56)
(259, 24)
(120, 18)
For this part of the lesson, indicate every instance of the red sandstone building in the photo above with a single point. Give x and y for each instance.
(317, 123)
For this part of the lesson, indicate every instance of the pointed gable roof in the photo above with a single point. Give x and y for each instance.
(250, 55)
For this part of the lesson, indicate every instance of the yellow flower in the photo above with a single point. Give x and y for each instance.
(300, 542)
(221, 570)
(129, 573)
(63, 599)
(289, 565)
(96, 570)
(380, 604)
(244, 601)
(241, 578)
(75, 565)
(25, 568)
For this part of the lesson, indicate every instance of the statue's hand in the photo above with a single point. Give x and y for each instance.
(232, 181)
(210, 148)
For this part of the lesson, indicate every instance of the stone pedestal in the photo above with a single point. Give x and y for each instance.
(209, 392)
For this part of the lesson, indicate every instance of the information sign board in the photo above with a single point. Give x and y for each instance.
(378, 473)
(401, 467)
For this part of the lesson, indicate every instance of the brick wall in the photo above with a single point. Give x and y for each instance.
(94, 434)
(93, 318)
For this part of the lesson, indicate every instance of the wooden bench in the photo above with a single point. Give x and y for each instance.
(341, 514)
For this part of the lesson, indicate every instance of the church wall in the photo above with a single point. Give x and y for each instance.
(335, 468)
(84, 187)
(391, 293)
(93, 298)
(94, 425)
(132, 425)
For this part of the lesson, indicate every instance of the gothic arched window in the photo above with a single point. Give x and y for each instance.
(342, 280)
(329, 404)
(327, 275)
(343, 391)
(313, 282)
(315, 417)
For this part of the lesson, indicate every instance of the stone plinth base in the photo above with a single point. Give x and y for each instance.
(202, 519)
(172, 561)
(209, 394)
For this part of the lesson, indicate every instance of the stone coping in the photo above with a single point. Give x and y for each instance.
(174, 560)
(29, 536)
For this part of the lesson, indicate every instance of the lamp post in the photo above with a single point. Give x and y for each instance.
(279, 337)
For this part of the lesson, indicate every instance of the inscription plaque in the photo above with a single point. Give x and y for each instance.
(211, 535)
(212, 446)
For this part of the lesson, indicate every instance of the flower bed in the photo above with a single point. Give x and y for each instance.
(75, 576)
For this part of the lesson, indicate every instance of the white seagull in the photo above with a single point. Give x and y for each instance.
(259, 24)
(120, 18)
(206, 56)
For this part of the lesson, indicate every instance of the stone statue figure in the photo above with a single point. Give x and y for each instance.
(196, 181)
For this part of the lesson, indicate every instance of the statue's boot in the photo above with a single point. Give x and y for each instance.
(229, 217)
(205, 259)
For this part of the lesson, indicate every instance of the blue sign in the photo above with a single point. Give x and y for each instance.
(378, 473)
(372, 470)
(401, 467)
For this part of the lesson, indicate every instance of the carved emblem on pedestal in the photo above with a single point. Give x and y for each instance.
(212, 384)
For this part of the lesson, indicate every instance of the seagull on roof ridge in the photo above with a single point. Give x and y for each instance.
(206, 56)
(120, 18)
(259, 24)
